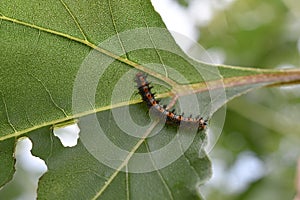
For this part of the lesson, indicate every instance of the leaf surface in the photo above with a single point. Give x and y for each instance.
(68, 59)
(7, 168)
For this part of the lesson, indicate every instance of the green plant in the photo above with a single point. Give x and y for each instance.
(42, 55)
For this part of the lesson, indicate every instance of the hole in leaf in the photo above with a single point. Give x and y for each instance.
(28, 171)
(67, 135)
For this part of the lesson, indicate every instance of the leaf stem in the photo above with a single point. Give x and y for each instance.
(268, 77)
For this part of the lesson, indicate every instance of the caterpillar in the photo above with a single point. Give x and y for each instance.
(170, 116)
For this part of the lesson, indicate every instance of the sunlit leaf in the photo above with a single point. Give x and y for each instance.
(67, 60)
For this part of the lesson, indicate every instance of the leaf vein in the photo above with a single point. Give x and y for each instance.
(125, 162)
(91, 171)
(186, 158)
(115, 28)
(153, 43)
(74, 19)
(93, 46)
(159, 174)
(7, 115)
(49, 94)
(127, 184)
(28, 120)
(51, 148)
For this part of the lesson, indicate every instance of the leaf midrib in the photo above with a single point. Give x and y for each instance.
(178, 90)
(201, 87)
(93, 46)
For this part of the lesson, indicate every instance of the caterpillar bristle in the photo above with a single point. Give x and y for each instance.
(171, 117)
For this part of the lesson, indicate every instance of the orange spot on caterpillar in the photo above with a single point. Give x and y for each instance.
(171, 118)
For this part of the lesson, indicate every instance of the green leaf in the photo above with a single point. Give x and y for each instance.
(7, 160)
(68, 60)
(73, 169)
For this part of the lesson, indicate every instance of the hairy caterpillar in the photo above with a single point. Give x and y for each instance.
(170, 116)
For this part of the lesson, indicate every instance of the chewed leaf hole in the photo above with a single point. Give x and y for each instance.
(67, 135)
(29, 169)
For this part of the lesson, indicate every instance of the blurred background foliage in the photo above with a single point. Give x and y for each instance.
(256, 155)
(256, 33)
